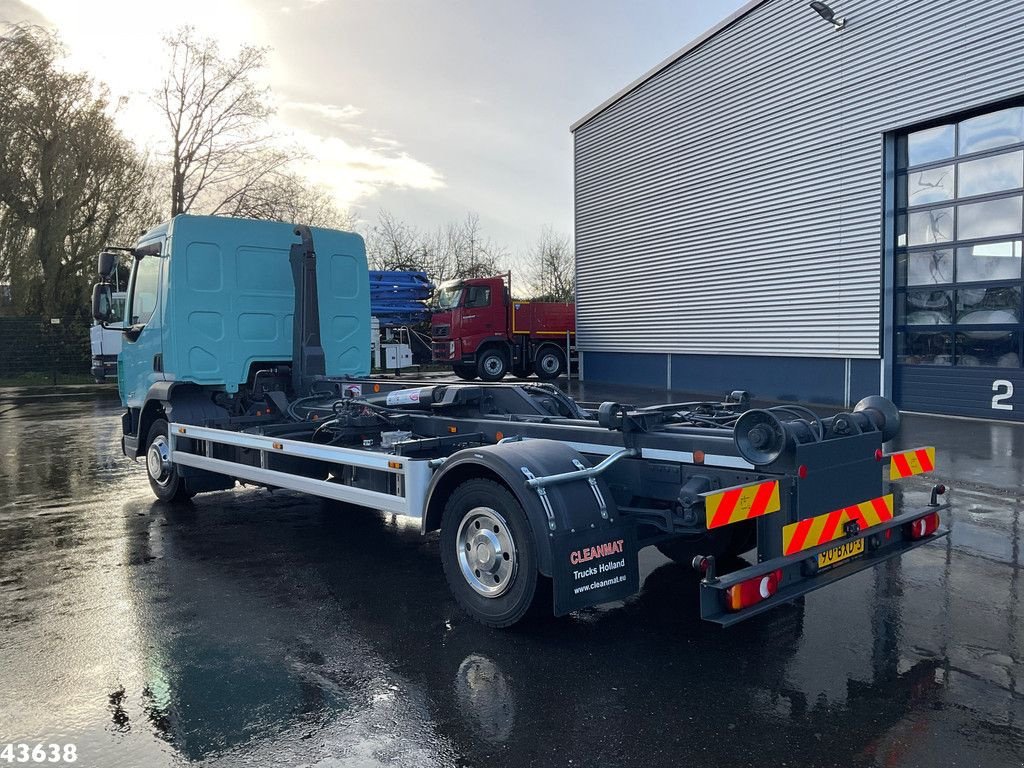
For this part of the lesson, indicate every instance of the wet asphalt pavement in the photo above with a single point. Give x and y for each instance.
(270, 629)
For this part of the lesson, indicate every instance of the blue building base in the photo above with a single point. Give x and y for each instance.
(974, 392)
(825, 381)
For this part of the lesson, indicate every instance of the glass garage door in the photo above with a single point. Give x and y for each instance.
(958, 282)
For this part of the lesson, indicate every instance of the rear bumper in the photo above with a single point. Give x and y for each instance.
(796, 583)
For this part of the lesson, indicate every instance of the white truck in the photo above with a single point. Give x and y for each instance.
(105, 341)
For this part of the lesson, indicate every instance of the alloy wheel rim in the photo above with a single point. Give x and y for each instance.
(158, 461)
(487, 552)
(549, 363)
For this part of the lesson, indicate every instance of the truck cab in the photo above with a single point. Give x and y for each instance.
(471, 314)
(480, 331)
(210, 306)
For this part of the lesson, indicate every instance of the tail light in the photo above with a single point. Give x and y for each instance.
(923, 526)
(752, 591)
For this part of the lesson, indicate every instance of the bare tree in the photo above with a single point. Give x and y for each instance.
(69, 181)
(472, 253)
(393, 244)
(550, 270)
(453, 251)
(217, 114)
(288, 196)
(459, 250)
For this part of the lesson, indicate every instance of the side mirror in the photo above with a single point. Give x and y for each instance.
(106, 263)
(102, 302)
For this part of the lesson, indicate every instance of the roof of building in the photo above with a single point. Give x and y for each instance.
(686, 49)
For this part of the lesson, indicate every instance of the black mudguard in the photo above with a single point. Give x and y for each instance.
(582, 543)
(184, 403)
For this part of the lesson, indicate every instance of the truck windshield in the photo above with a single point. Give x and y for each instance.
(449, 295)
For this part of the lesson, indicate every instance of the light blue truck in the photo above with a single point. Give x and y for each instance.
(246, 358)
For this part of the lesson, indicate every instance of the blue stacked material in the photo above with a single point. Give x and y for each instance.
(399, 298)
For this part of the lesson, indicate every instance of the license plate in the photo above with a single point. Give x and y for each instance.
(836, 555)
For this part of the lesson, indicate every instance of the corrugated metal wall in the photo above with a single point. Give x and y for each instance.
(732, 204)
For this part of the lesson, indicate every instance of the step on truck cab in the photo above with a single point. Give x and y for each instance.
(481, 331)
(245, 360)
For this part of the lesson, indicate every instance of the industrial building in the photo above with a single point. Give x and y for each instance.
(814, 203)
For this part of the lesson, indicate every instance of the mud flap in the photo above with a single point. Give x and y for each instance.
(594, 566)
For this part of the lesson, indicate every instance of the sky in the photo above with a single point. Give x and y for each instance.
(427, 108)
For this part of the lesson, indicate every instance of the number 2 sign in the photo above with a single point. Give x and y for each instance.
(1003, 390)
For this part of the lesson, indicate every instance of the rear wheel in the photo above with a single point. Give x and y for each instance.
(492, 364)
(467, 372)
(489, 556)
(731, 540)
(164, 479)
(550, 363)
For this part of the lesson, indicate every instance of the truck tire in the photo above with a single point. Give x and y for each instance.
(465, 372)
(550, 363)
(732, 540)
(489, 556)
(164, 479)
(492, 364)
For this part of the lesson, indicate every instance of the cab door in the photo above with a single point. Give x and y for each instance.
(140, 363)
(483, 311)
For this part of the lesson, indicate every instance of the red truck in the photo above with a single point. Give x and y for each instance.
(480, 331)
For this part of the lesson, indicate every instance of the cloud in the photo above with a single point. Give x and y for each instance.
(16, 11)
(343, 115)
(353, 172)
(348, 156)
(137, 66)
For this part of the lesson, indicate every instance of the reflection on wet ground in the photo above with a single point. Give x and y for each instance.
(263, 628)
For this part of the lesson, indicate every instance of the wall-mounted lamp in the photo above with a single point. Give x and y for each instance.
(828, 15)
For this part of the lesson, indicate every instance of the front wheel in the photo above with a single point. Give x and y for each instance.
(550, 363)
(492, 365)
(164, 479)
(489, 556)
